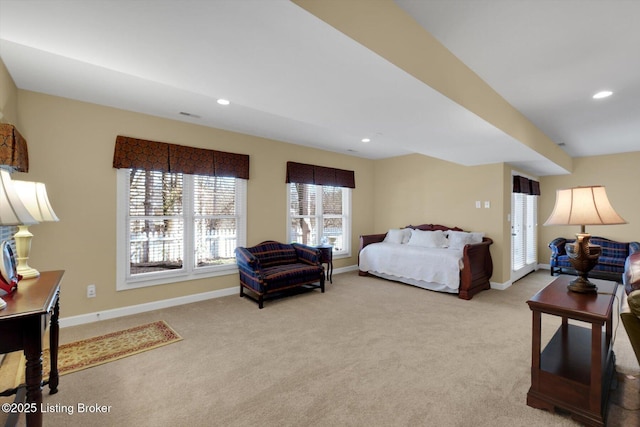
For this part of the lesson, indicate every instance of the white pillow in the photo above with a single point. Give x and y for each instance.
(429, 239)
(394, 235)
(406, 235)
(458, 239)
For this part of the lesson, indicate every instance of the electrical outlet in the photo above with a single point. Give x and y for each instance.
(91, 291)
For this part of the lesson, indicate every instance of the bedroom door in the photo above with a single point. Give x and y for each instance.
(524, 232)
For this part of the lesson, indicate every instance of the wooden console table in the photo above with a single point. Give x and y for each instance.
(22, 325)
(326, 256)
(575, 369)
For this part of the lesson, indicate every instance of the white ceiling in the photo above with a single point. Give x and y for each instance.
(292, 77)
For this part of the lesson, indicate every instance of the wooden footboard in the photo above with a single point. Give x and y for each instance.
(478, 268)
(477, 263)
(367, 240)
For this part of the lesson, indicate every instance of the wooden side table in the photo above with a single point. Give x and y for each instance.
(22, 325)
(326, 257)
(575, 369)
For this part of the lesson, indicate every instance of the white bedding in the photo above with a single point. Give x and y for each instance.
(431, 268)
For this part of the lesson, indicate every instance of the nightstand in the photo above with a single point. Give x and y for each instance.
(575, 369)
(326, 256)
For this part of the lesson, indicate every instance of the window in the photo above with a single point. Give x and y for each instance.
(319, 214)
(174, 226)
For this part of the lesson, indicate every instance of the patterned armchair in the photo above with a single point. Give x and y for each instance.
(610, 264)
(272, 267)
(630, 313)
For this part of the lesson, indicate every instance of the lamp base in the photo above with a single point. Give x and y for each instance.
(583, 286)
(23, 247)
(583, 256)
(28, 272)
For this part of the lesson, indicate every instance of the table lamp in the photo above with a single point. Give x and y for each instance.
(583, 206)
(12, 210)
(34, 197)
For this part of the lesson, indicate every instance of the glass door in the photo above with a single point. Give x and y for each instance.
(524, 232)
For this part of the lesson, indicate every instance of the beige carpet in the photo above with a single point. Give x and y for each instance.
(366, 353)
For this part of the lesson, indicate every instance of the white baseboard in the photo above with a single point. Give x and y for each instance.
(345, 269)
(141, 308)
(508, 283)
(156, 305)
(501, 286)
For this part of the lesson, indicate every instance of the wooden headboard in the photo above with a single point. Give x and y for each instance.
(433, 227)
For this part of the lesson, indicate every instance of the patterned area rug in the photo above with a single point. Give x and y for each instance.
(95, 351)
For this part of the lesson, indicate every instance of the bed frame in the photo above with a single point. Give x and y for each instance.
(478, 265)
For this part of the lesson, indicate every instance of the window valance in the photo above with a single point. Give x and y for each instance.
(302, 173)
(525, 185)
(164, 157)
(13, 148)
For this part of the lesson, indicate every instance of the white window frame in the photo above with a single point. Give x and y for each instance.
(124, 281)
(319, 216)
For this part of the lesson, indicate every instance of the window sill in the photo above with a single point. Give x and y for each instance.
(138, 283)
(341, 255)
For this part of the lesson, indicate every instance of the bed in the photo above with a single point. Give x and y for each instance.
(460, 264)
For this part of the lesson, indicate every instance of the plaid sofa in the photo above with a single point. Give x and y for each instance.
(610, 264)
(630, 312)
(272, 267)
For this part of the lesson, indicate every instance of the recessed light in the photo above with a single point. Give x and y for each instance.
(602, 94)
(184, 113)
(223, 101)
(366, 140)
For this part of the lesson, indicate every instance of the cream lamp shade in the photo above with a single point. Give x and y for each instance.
(33, 196)
(12, 209)
(583, 206)
(35, 199)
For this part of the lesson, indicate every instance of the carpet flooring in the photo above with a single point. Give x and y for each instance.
(367, 352)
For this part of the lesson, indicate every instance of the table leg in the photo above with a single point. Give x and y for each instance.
(33, 371)
(595, 395)
(53, 346)
(535, 349)
(534, 397)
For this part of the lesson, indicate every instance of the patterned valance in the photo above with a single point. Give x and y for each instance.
(525, 185)
(302, 173)
(13, 148)
(160, 156)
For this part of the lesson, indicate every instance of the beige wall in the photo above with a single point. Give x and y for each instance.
(417, 189)
(71, 149)
(8, 97)
(619, 173)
